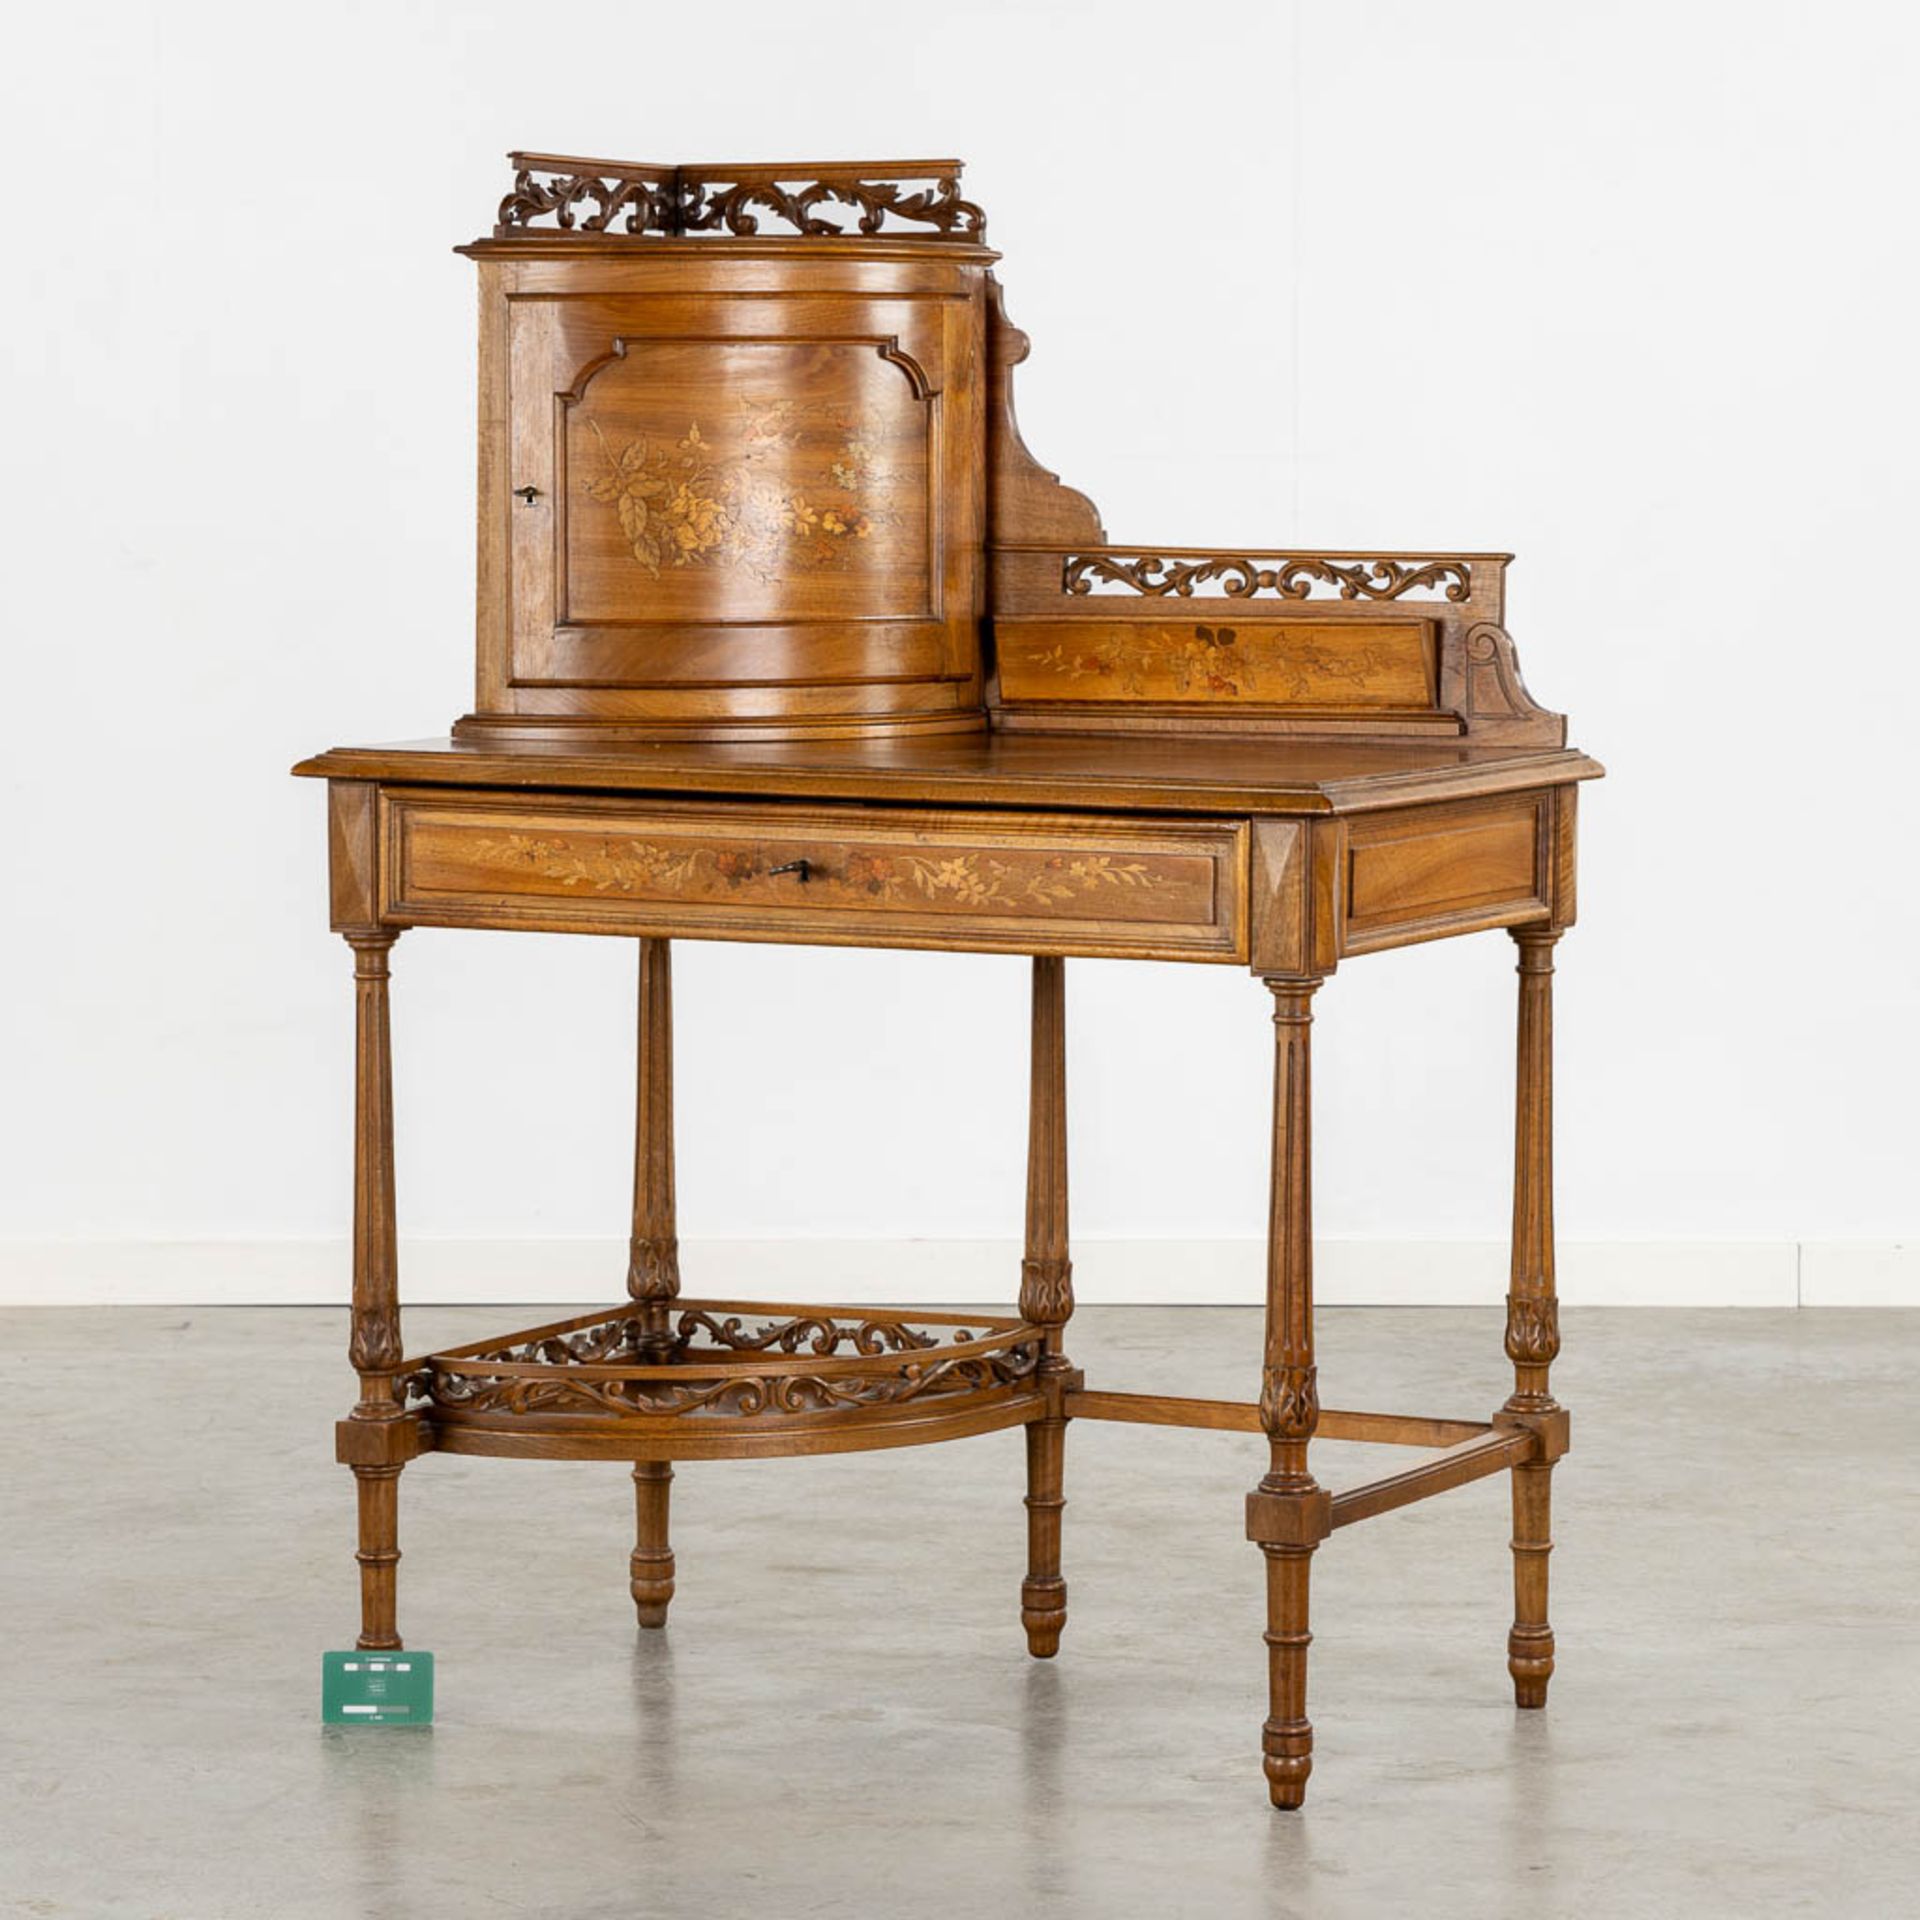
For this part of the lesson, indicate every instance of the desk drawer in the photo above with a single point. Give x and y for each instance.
(1046, 883)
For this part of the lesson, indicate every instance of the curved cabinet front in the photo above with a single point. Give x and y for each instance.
(727, 511)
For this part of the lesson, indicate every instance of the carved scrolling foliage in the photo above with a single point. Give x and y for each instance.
(676, 200)
(743, 1399)
(704, 207)
(646, 201)
(1241, 576)
(817, 1333)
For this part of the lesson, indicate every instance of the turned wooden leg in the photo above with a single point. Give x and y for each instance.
(1533, 1325)
(651, 1567)
(1046, 1301)
(373, 1438)
(653, 1264)
(1289, 1513)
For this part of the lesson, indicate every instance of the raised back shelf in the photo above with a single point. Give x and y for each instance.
(750, 470)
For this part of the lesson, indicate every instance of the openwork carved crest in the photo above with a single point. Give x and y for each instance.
(634, 199)
(705, 207)
(1295, 577)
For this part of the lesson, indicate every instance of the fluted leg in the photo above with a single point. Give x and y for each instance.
(653, 1258)
(372, 1438)
(1046, 1301)
(1533, 1327)
(651, 1566)
(1289, 1514)
(653, 1264)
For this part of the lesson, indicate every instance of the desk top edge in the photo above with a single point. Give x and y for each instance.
(1075, 773)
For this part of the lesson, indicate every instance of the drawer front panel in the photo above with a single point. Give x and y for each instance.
(1062, 883)
(1449, 869)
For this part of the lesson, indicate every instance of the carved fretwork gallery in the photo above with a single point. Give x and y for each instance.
(785, 636)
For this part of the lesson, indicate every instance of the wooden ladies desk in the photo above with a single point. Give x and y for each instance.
(785, 636)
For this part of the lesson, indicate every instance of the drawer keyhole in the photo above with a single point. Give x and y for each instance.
(801, 867)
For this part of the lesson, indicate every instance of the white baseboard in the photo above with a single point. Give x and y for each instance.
(1632, 1273)
(1860, 1273)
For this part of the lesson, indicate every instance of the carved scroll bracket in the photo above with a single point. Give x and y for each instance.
(1029, 501)
(1480, 680)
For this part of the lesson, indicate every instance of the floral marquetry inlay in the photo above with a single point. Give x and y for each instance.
(1256, 662)
(688, 503)
(1007, 880)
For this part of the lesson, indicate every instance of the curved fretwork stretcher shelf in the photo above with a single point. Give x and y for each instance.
(719, 1379)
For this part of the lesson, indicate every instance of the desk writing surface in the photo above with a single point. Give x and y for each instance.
(1217, 774)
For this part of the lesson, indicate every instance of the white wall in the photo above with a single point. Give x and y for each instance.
(1628, 290)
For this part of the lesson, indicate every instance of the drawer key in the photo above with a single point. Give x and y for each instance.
(801, 867)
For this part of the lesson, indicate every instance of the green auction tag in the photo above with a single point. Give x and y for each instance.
(376, 1689)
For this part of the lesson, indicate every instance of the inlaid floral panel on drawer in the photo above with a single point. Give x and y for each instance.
(1053, 882)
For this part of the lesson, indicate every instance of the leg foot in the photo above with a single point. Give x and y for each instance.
(1530, 1644)
(1043, 1594)
(378, 1555)
(1286, 1740)
(651, 1565)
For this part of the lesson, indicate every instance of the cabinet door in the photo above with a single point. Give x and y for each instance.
(744, 505)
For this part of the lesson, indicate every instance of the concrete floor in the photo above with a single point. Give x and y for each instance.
(841, 1719)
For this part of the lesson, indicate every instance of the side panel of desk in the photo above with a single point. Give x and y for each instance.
(1325, 889)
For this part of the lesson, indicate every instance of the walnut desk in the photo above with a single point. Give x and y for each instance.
(785, 636)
